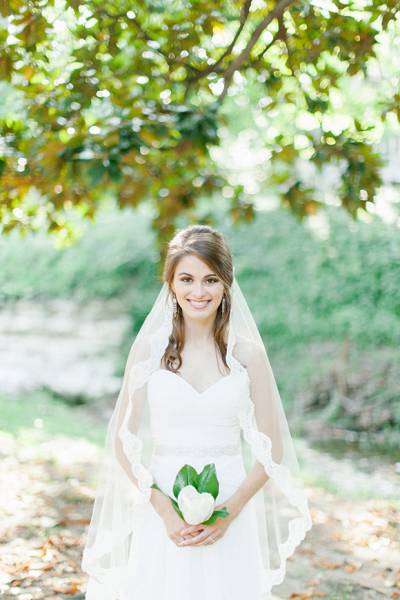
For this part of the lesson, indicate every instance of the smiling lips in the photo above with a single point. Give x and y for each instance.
(197, 304)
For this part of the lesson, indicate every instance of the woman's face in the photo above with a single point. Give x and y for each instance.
(198, 290)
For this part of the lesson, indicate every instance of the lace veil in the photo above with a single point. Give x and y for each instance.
(124, 479)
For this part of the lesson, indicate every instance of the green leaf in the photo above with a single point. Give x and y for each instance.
(208, 481)
(174, 502)
(187, 475)
(96, 172)
(115, 172)
(217, 514)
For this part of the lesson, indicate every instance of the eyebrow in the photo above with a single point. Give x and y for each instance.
(208, 275)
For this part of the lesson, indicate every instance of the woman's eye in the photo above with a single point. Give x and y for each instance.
(211, 280)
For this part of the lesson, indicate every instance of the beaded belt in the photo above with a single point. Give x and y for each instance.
(167, 449)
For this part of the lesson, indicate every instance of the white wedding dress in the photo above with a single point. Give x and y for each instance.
(196, 428)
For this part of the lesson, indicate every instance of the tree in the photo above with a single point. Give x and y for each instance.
(126, 98)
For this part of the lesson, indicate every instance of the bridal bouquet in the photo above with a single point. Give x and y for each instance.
(195, 495)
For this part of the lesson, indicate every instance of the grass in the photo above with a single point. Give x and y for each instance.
(36, 416)
(356, 492)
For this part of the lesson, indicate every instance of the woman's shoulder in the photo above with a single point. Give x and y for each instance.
(247, 351)
(141, 348)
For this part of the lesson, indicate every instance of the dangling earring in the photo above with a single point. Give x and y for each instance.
(175, 306)
(223, 307)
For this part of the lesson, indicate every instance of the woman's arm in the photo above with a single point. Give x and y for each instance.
(255, 479)
(254, 358)
(126, 443)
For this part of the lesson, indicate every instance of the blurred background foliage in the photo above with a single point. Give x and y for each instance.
(277, 122)
(326, 300)
(105, 99)
(301, 286)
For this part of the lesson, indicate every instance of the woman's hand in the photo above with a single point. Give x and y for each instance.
(203, 535)
(176, 526)
(172, 521)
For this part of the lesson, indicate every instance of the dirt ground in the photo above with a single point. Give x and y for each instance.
(351, 553)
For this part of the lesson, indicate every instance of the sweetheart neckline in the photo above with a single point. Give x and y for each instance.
(191, 386)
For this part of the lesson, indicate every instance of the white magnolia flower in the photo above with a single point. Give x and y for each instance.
(195, 506)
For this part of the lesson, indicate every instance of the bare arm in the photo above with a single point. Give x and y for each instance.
(127, 444)
(266, 420)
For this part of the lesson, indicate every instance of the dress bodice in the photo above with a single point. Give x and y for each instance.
(179, 414)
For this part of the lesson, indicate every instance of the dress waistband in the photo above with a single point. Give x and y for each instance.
(170, 449)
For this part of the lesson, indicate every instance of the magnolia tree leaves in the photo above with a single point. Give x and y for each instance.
(125, 99)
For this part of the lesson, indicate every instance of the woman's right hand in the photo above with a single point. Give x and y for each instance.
(175, 525)
(172, 521)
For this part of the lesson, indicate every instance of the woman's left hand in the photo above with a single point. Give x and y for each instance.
(209, 534)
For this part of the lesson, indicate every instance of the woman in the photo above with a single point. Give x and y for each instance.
(197, 384)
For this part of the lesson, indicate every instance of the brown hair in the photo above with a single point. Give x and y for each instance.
(208, 245)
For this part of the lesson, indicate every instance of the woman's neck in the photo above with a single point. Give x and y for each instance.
(199, 332)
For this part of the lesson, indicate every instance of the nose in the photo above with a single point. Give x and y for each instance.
(197, 290)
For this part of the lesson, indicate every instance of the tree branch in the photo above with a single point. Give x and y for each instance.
(279, 35)
(244, 13)
(235, 65)
(144, 35)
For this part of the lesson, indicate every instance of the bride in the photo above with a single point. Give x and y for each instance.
(198, 392)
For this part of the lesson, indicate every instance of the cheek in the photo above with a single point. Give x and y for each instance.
(181, 288)
(217, 292)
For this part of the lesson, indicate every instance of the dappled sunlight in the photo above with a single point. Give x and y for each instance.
(50, 484)
(45, 508)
